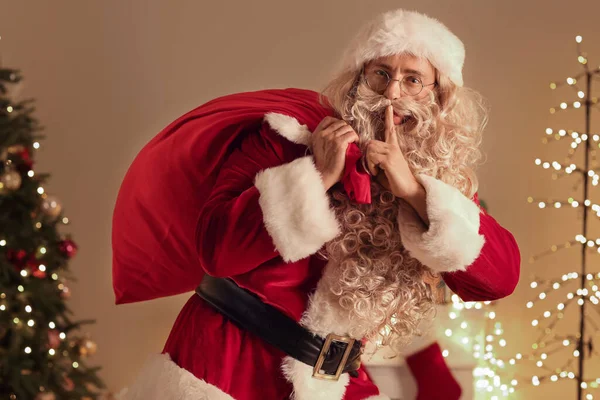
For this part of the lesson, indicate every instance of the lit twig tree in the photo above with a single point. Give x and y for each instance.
(581, 286)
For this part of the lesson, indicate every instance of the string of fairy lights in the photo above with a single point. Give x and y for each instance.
(25, 317)
(492, 376)
(482, 345)
(549, 342)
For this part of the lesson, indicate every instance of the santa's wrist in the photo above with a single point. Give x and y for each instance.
(328, 182)
(411, 192)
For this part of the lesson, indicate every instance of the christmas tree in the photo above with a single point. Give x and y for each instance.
(41, 355)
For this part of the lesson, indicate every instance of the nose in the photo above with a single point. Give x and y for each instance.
(393, 91)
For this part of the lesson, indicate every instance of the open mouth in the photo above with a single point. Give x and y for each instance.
(400, 119)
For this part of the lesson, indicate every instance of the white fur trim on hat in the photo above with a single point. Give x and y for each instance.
(400, 31)
(452, 242)
(162, 379)
(296, 209)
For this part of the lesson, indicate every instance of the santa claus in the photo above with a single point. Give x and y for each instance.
(310, 223)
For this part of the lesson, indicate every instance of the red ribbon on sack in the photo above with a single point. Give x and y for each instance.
(356, 180)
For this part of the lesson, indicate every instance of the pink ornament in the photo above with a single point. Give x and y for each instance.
(68, 248)
(45, 396)
(66, 293)
(53, 339)
(68, 384)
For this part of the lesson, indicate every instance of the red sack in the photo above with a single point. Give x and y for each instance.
(164, 190)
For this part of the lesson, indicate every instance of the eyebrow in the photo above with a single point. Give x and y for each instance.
(405, 71)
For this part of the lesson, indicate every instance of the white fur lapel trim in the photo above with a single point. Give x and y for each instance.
(289, 127)
(308, 388)
(162, 379)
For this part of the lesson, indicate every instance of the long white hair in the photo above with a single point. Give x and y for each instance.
(380, 285)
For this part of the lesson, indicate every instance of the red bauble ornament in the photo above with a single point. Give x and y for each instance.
(26, 157)
(68, 248)
(18, 258)
(38, 274)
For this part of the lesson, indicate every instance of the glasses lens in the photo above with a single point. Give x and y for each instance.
(412, 85)
(377, 80)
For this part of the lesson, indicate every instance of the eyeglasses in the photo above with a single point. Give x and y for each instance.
(379, 80)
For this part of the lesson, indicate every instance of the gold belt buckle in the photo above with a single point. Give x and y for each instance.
(321, 359)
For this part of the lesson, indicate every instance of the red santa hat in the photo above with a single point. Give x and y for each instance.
(401, 31)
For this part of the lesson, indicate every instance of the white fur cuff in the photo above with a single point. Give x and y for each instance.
(452, 242)
(378, 397)
(162, 379)
(296, 208)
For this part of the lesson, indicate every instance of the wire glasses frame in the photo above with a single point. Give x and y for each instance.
(379, 80)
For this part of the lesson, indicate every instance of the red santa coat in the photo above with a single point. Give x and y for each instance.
(265, 216)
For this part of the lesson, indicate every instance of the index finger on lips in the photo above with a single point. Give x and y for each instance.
(390, 129)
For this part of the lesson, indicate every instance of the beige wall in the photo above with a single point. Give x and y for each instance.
(108, 75)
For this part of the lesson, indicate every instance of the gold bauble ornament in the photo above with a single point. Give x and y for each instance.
(87, 347)
(15, 149)
(45, 396)
(51, 207)
(11, 180)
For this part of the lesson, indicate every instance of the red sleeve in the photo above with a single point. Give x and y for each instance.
(495, 272)
(257, 209)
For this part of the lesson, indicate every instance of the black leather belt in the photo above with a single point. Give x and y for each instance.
(329, 357)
